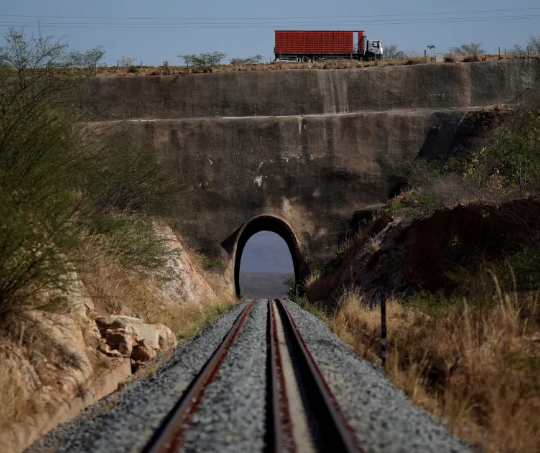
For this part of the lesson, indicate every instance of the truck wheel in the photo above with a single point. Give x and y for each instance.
(370, 58)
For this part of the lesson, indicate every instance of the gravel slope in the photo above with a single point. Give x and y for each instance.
(124, 421)
(383, 417)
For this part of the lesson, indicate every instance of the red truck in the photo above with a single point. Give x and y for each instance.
(297, 45)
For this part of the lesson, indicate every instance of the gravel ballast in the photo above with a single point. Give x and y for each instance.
(124, 421)
(384, 419)
(232, 415)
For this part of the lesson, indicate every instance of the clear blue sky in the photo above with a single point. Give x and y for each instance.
(266, 252)
(167, 28)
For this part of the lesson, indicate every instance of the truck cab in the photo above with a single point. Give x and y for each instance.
(374, 50)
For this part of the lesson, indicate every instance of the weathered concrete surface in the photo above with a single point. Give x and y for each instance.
(300, 92)
(308, 146)
(314, 172)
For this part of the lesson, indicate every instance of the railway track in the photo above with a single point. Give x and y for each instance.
(302, 414)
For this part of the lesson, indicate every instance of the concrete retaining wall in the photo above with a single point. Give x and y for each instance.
(309, 146)
(300, 92)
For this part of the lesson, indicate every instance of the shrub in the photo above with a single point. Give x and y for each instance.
(256, 59)
(60, 185)
(166, 68)
(207, 262)
(471, 59)
(130, 239)
(424, 203)
(512, 152)
(472, 49)
(37, 139)
(121, 174)
(391, 52)
(205, 61)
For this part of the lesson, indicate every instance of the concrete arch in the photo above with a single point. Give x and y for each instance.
(275, 225)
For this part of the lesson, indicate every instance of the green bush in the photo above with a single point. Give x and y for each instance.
(207, 262)
(131, 239)
(37, 181)
(120, 175)
(60, 184)
(424, 203)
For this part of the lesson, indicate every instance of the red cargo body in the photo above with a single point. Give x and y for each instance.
(316, 42)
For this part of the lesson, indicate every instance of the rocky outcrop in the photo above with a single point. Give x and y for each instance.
(180, 282)
(132, 338)
(67, 361)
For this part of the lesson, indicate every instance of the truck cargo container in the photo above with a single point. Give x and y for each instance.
(300, 45)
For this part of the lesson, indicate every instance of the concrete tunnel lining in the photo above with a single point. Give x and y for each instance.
(274, 225)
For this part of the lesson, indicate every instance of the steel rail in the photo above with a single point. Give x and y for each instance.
(337, 435)
(169, 437)
(281, 435)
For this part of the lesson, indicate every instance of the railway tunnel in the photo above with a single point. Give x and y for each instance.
(298, 152)
(275, 225)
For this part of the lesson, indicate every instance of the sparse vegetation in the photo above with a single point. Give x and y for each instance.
(392, 52)
(256, 59)
(472, 362)
(513, 152)
(517, 50)
(75, 198)
(467, 50)
(206, 61)
(505, 163)
(534, 44)
(407, 58)
(207, 262)
(126, 61)
(468, 353)
(61, 186)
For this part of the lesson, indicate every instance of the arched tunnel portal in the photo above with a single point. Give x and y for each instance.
(277, 226)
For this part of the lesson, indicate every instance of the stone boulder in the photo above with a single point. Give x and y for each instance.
(133, 338)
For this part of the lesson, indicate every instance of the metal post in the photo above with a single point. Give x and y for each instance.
(383, 328)
(499, 53)
(425, 55)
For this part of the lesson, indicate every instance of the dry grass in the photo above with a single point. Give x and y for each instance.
(185, 321)
(16, 387)
(116, 290)
(322, 282)
(280, 65)
(31, 367)
(476, 366)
